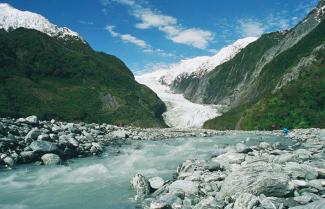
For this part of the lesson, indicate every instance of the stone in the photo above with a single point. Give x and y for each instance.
(302, 154)
(299, 183)
(188, 187)
(245, 201)
(264, 145)
(229, 158)
(258, 178)
(188, 167)
(156, 182)
(32, 134)
(208, 203)
(28, 156)
(270, 202)
(314, 205)
(44, 147)
(51, 159)
(44, 137)
(297, 170)
(9, 161)
(141, 186)
(96, 148)
(73, 142)
(242, 148)
(119, 134)
(303, 200)
(32, 119)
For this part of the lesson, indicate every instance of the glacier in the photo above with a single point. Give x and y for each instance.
(182, 113)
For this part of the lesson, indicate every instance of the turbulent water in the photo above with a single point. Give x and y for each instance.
(103, 183)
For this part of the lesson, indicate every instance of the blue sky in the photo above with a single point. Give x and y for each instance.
(146, 33)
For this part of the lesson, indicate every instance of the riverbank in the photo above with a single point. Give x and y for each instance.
(30, 140)
(265, 176)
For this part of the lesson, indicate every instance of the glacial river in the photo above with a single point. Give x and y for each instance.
(103, 182)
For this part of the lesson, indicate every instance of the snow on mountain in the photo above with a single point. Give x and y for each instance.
(180, 111)
(203, 64)
(11, 18)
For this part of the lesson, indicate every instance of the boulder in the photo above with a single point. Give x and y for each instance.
(242, 148)
(245, 201)
(315, 205)
(188, 187)
(188, 167)
(297, 170)
(9, 161)
(257, 178)
(28, 156)
(208, 203)
(119, 134)
(96, 148)
(32, 135)
(51, 159)
(141, 186)
(225, 160)
(156, 182)
(44, 147)
(32, 119)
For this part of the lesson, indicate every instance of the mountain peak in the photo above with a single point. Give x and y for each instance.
(12, 18)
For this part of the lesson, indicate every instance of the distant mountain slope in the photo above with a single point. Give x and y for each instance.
(258, 84)
(63, 78)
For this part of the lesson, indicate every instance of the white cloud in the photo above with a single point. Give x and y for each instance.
(128, 38)
(251, 28)
(195, 37)
(148, 18)
(131, 39)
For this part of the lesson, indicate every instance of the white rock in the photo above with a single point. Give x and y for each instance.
(188, 187)
(51, 159)
(156, 182)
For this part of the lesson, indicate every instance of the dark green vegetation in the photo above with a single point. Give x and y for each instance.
(299, 104)
(67, 80)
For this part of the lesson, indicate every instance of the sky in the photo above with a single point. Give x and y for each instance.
(149, 33)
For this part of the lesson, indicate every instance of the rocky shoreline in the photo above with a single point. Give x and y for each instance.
(29, 140)
(265, 176)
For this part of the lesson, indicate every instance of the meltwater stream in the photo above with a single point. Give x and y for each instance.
(103, 182)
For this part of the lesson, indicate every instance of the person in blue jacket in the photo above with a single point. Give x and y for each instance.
(285, 131)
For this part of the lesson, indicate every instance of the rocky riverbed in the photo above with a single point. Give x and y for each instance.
(29, 140)
(265, 176)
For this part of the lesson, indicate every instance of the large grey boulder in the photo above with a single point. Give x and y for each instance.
(28, 156)
(188, 187)
(188, 167)
(44, 147)
(245, 201)
(33, 134)
(229, 158)
(141, 186)
(31, 119)
(297, 170)
(257, 178)
(51, 159)
(119, 134)
(315, 205)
